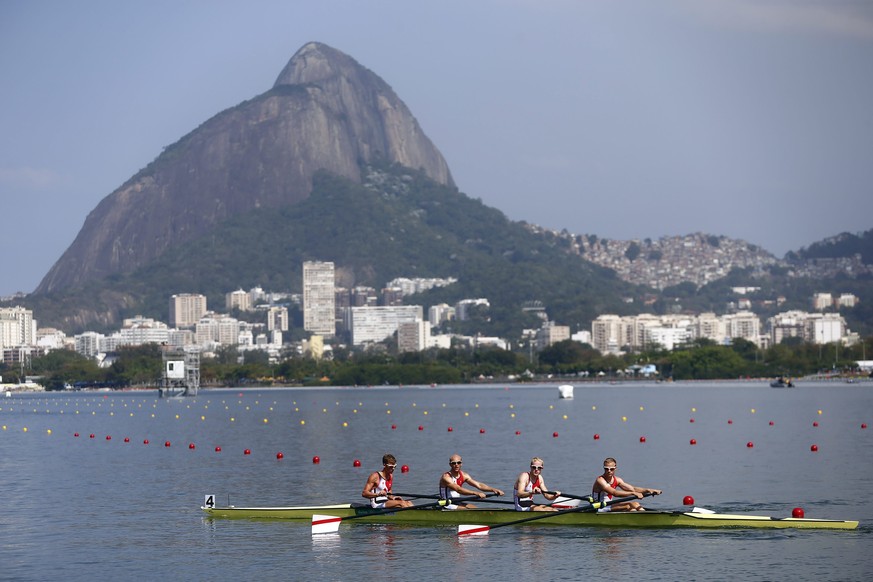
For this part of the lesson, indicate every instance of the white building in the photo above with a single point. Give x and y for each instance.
(217, 329)
(277, 318)
(465, 306)
(822, 301)
(375, 324)
(88, 343)
(439, 314)
(17, 327)
(824, 328)
(319, 307)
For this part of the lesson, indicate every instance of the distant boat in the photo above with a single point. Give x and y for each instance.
(781, 382)
(565, 391)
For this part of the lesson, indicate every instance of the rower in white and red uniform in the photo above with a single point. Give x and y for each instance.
(609, 485)
(378, 487)
(452, 484)
(529, 484)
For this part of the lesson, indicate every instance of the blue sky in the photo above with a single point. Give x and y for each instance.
(625, 119)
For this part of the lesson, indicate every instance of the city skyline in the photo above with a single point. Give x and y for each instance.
(627, 120)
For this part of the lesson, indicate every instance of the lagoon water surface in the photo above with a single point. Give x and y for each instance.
(112, 507)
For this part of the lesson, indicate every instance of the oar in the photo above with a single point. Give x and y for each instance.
(417, 496)
(464, 530)
(330, 523)
(586, 498)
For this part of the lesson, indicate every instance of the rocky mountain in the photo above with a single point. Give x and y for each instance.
(324, 112)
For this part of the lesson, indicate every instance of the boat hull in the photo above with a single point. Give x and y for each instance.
(641, 519)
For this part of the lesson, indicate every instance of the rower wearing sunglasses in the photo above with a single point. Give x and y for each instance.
(610, 485)
(378, 487)
(454, 483)
(531, 483)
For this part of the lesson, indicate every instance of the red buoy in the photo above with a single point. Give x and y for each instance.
(280, 455)
(91, 435)
(814, 423)
(127, 439)
(316, 460)
(797, 513)
(814, 448)
(167, 443)
(481, 431)
(554, 435)
(772, 423)
(75, 434)
(730, 421)
(357, 463)
(247, 452)
(518, 432)
(420, 427)
(217, 449)
(687, 500)
(404, 469)
(145, 441)
(750, 444)
(596, 437)
(191, 446)
(393, 427)
(450, 429)
(863, 425)
(108, 438)
(691, 420)
(642, 439)
(693, 441)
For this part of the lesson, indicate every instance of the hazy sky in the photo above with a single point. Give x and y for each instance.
(621, 118)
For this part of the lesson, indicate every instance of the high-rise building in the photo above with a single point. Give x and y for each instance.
(319, 307)
(413, 336)
(277, 318)
(374, 324)
(238, 300)
(186, 309)
(17, 327)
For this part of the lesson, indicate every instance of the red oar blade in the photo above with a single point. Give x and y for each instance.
(325, 524)
(473, 530)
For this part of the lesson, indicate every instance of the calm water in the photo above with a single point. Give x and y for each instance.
(79, 508)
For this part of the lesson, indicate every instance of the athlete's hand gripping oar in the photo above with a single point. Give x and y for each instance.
(464, 530)
(330, 523)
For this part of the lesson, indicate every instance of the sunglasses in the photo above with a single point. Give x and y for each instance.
(456, 462)
(536, 467)
(390, 466)
(610, 468)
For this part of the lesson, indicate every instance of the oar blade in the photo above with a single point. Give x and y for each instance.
(473, 530)
(322, 524)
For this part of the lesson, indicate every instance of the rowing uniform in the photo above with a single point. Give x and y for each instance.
(603, 496)
(446, 493)
(526, 503)
(379, 502)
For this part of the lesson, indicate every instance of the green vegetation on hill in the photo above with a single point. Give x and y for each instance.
(399, 224)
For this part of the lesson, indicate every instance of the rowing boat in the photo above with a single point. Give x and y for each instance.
(436, 516)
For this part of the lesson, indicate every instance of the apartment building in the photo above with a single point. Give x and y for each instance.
(319, 301)
(186, 309)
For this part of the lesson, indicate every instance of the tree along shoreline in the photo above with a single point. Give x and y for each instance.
(563, 362)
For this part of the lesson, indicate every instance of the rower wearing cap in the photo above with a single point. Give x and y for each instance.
(378, 487)
(610, 485)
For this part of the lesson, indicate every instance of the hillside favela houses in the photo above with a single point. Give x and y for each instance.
(362, 317)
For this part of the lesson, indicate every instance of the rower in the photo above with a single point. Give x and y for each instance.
(609, 485)
(378, 486)
(531, 483)
(454, 481)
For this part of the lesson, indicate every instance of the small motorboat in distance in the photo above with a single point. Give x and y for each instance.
(781, 382)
